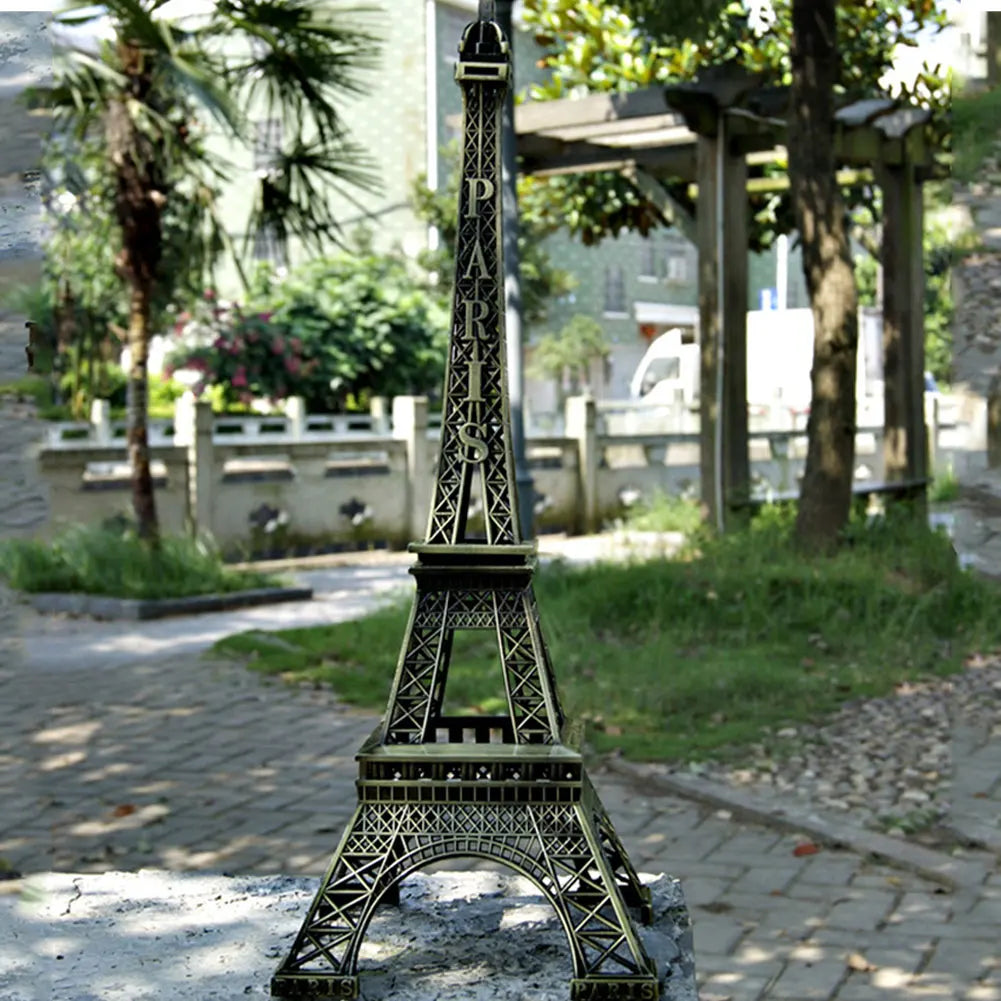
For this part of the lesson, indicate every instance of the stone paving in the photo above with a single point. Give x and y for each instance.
(168, 761)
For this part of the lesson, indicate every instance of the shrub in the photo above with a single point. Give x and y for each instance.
(337, 331)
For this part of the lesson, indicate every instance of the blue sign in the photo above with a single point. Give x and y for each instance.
(768, 298)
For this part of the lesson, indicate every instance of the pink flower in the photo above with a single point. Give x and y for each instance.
(239, 377)
(210, 293)
(264, 316)
(292, 366)
(184, 317)
(296, 344)
(278, 345)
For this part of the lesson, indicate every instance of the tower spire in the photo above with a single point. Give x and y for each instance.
(476, 448)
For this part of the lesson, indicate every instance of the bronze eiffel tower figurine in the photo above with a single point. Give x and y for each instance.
(505, 788)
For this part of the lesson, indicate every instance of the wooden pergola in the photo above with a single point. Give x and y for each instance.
(706, 134)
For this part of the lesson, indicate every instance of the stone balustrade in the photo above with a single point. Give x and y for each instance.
(310, 481)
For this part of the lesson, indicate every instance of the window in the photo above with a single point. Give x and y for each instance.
(648, 261)
(267, 143)
(676, 267)
(269, 247)
(615, 289)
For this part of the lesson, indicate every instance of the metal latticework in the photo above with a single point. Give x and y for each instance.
(506, 787)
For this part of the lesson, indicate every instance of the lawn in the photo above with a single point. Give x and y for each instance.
(699, 655)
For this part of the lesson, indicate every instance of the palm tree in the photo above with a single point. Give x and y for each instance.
(140, 92)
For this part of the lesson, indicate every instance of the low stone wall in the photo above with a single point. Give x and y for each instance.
(272, 493)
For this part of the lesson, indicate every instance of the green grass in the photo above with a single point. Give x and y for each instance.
(944, 488)
(37, 388)
(976, 125)
(680, 659)
(663, 512)
(101, 560)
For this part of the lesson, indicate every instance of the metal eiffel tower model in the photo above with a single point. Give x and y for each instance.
(504, 788)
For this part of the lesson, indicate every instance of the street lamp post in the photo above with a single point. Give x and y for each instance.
(513, 304)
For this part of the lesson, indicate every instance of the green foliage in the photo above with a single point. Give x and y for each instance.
(940, 249)
(976, 124)
(296, 59)
(639, 43)
(163, 395)
(567, 354)
(339, 329)
(112, 561)
(704, 654)
(541, 281)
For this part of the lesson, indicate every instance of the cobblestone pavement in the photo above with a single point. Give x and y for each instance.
(175, 762)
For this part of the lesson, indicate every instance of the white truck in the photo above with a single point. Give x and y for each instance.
(779, 358)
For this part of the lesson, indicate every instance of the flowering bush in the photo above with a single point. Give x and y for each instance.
(338, 330)
(240, 352)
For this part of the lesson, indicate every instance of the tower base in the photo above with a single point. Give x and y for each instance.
(529, 807)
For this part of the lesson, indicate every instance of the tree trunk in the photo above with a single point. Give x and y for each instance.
(825, 496)
(139, 199)
(143, 500)
(993, 52)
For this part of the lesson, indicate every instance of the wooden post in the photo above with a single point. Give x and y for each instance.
(722, 242)
(994, 423)
(905, 442)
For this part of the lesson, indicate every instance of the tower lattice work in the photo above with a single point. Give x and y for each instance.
(505, 788)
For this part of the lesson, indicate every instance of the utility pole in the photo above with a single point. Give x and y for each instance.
(513, 305)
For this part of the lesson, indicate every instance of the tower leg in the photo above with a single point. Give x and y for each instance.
(560, 847)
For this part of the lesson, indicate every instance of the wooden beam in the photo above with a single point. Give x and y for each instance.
(548, 116)
(673, 211)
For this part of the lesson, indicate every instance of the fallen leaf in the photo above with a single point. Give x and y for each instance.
(805, 848)
(981, 795)
(123, 809)
(858, 962)
(775, 893)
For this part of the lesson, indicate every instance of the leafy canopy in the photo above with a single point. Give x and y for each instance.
(601, 46)
(541, 280)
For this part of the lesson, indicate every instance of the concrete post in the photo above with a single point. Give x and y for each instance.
(931, 434)
(410, 424)
(100, 419)
(582, 424)
(295, 411)
(378, 408)
(193, 420)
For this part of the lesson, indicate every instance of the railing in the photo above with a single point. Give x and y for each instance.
(299, 480)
